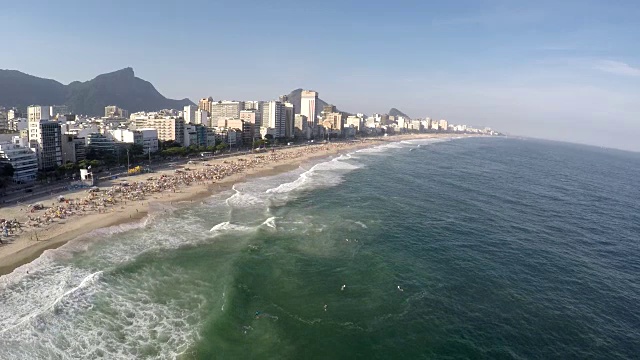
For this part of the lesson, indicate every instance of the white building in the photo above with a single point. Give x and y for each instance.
(202, 118)
(371, 122)
(402, 122)
(189, 114)
(23, 160)
(147, 138)
(355, 122)
(308, 106)
(12, 114)
(45, 139)
(274, 116)
(257, 106)
(190, 135)
(169, 129)
(37, 112)
(226, 110)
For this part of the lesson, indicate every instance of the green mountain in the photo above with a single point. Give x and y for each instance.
(119, 88)
(396, 112)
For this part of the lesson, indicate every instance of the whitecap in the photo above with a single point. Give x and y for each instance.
(270, 222)
(227, 226)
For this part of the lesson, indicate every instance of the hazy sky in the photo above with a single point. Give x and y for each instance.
(567, 70)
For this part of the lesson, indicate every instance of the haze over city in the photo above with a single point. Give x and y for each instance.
(565, 71)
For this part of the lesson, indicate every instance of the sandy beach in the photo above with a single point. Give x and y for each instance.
(32, 231)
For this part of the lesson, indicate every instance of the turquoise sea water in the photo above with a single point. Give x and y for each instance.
(467, 248)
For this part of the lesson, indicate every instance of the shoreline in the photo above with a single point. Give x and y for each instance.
(22, 249)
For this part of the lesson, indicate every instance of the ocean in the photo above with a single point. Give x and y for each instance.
(476, 248)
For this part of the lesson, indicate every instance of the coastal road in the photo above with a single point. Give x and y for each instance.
(62, 188)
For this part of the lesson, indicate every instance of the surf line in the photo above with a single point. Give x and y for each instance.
(84, 281)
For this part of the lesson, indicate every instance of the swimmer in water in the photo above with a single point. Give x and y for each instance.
(399, 288)
(325, 307)
(342, 288)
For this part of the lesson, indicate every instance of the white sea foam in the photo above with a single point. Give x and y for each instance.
(324, 174)
(373, 150)
(50, 311)
(361, 224)
(243, 200)
(48, 305)
(23, 318)
(128, 324)
(270, 222)
(227, 226)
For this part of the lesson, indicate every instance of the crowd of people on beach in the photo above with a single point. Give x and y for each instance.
(119, 195)
(9, 227)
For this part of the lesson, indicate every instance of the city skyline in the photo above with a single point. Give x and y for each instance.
(557, 71)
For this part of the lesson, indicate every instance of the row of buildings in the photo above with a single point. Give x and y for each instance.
(46, 137)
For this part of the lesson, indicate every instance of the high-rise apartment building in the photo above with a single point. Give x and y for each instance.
(23, 160)
(205, 104)
(13, 114)
(300, 122)
(169, 129)
(248, 116)
(289, 110)
(189, 114)
(45, 139)
(100, 144)
(329, 109)
(73, 148)
(202, 118)
(356, 122)
(444, 125)
(37, 112)
(308, 106)
(257, 106)
(4, 121)
(334, 121)
(301, 127)
(226, 110)
(274, 116)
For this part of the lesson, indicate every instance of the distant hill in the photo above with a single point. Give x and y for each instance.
(119, 88)
(21, 90)
(396, 112)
